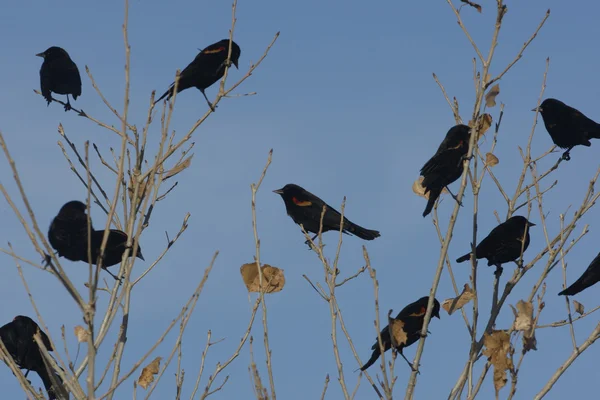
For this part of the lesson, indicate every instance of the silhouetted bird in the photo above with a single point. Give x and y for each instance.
(68, 231)
(567, 126)
(207, 68)
(59, 74)
(412, 316)
(305, 209)
(68, 235)
(590, 277)
(446, 165)
(18, 339)
(504, 243)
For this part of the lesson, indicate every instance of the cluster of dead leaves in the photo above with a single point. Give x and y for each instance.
(273, 279)
(525, 323)
(419, 190)
(81, 334)
(499, 352)
(456, 303)
(147, 375)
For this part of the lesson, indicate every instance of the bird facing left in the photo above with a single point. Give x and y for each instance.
(59, 75)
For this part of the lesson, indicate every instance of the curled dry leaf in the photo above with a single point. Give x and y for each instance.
(485, 121)
(456, 303)
(398, 335)
(147, 375)
(141, 190)
(491, 159)
(579, 309)
(178, 168)
(419, 190)
(273, 278)
(524, 322)
(81, 334)
(490, 97)
(499, 352)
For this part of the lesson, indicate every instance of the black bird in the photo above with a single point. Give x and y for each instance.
(305, 209)
(567, 126)
(18, 339)
(68, 234)
(68, 231)
(206, 69)
(445, 166)
(590, 277)
(412, 316)
(504, 243)
(59, 74)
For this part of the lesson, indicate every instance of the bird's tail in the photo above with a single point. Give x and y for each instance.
(52, 391)
(366, 234)
(433, 196)
(571, 290)
(165, 94)
(372, 360)
(464, 258)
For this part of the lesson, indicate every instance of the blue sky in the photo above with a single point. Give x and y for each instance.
(347, 101)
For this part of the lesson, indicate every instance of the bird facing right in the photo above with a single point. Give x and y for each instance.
(590, 277)
(206, 69)
(59, 74)
(412, 317)
(504, 243)
(305, 209)
(567, 126)
(446, 165)
(17, 336)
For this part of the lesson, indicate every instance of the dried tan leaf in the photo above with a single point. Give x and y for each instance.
(499, 352)
(273, 278)
(474, 5)
(81, 334)
(491, 159)
(141, 190)
(485, 121)
(178, 168)
(147, 375)
(419, 190)
(398, 335)
(490, 97)
(524, 317)
(579, 308)
(456, 303)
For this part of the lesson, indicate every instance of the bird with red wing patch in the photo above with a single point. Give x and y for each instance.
(411, 317)
(305, 209)
(206, 69)
(445, 166)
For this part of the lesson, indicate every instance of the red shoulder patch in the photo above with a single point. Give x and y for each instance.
(421, 312)
(214, 51)
(301, 203)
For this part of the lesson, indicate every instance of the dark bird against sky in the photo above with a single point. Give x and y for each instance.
(305, 209)
(59, 74)
(567, 126)
(446, 165)
(206, 69)
(590, 277)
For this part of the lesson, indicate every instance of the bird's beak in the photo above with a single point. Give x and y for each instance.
(530, 224)
(139, 255)
(539, 109)
(40, 55)
(278, 191)
(437, 315)
(235, 63)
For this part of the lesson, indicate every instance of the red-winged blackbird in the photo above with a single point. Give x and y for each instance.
(59, 74)
(446, 165)
(68, 235)
(207, 68)
(18, 339)
(305, 209)
(412, 316)
(567, 126)
(504, 243)
(590, 277)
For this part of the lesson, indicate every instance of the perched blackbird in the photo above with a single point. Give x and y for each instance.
(446, 165)
(305, 209)
(68, 235)
(207, 68)
(68, 231)
(18, 339)
(59, 74)
(412, 316)
(590, 277)
(504, 243)
(567, 126)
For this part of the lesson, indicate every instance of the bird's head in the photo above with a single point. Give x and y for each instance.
(52, 53)
(294, 194)
(548, 106)
(73, 206)
(521, 221)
